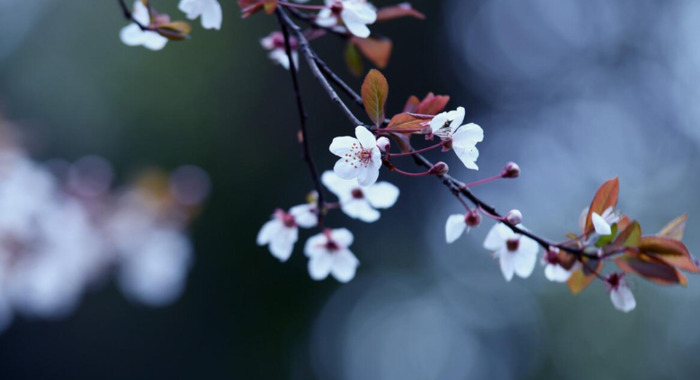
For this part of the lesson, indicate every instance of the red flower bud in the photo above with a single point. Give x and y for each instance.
(440, 168)
(511, 170)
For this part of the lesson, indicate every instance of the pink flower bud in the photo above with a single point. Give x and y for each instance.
(472, 218)
(440, 168)
(514, 217)
(337, 6)
(511, 170)
(383, 144)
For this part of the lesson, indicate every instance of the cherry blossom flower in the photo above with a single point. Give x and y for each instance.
(210, 10)
(359, 157)
(274, 42)
(458, 223)
(356, 15)
(132, 35)
(620, 294)
(360, 202)
(328, 253)
(516, 253)
(602, 223)
(448, 126)
(282, 231)
(553, 271)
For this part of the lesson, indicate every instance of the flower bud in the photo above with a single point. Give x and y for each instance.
(472, 218)
(514, 217)
(383, 144)
(511, 170)
(440, 168)
(337, 6)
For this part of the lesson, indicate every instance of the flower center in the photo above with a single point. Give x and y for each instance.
(286, 218)
(512, 244)
(614, 280)
(358, 156)
(551, 257)
(357, 194)
(332, 246)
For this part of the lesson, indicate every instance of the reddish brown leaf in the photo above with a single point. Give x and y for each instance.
(375, 90)
(397, 11)
(650, 268)
(270, 6)
(411, 104)
(377, 50)
(251, 7)
(580, 279)
(406, 121)
(432, 104)
(675, 228)
(605, 197)
(669, 250)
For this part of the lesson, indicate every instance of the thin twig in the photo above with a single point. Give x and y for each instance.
(130, 16)
(303, 116)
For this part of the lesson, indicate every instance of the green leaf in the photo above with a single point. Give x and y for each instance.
(353, 60)
(375, 90)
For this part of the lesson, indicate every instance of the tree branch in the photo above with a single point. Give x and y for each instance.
(303, 116)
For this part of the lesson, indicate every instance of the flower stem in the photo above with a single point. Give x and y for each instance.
(419, 151)
(483, 181)
(301, 6)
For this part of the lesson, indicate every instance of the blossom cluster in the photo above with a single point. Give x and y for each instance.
(63, 230)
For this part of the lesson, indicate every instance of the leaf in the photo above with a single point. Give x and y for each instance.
(650, 268)
(432, 104)
(251, 7)
(411, 104)
(397, 11)
(605, 197)
(580, 279)
(630, 236)
(175, 31)
(353, 60)
(406, 121)
(377, 50)
(375, 90)
(675, 228)
(270, 6)
(669, 250)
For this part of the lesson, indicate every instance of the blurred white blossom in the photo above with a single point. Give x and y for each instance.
(132, 34)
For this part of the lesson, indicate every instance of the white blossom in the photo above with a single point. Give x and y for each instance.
(210, 10)
(448, 126)
(516, 253)
(282, 231)
(132, 34)
(361, 202)
(455, 227)
(620, 294)
(553, 270)
(274, 42)
(329, 253)
(359, 157)
(601, 222)
(356, 15)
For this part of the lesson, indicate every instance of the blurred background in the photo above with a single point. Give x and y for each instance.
(576, 92)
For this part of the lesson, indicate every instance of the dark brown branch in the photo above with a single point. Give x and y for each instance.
(130, 16)
(303, 116)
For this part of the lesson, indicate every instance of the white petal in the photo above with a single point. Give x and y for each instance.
(381, 194)
(457, 117)
(438, 121)
(325, 18)
(357, 28)
(367, 176)
(211, 15)
(140, 13)
(279, 56)
(344, 266)
(345, 169)
(360, 209)
(623, 299)
(582, 218)
(507, 261)
(525, 257)
(341, 145)
(315, 245)
(464, 144)
(342, 236)
(602, 227)
(320, 266)
(153, 40)
(131, 35)
(282, 244)
(497, 236)
(365, 137)
(556, 273)
(268, 230)
(304, 215)
(454, 228)
(342, 188)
